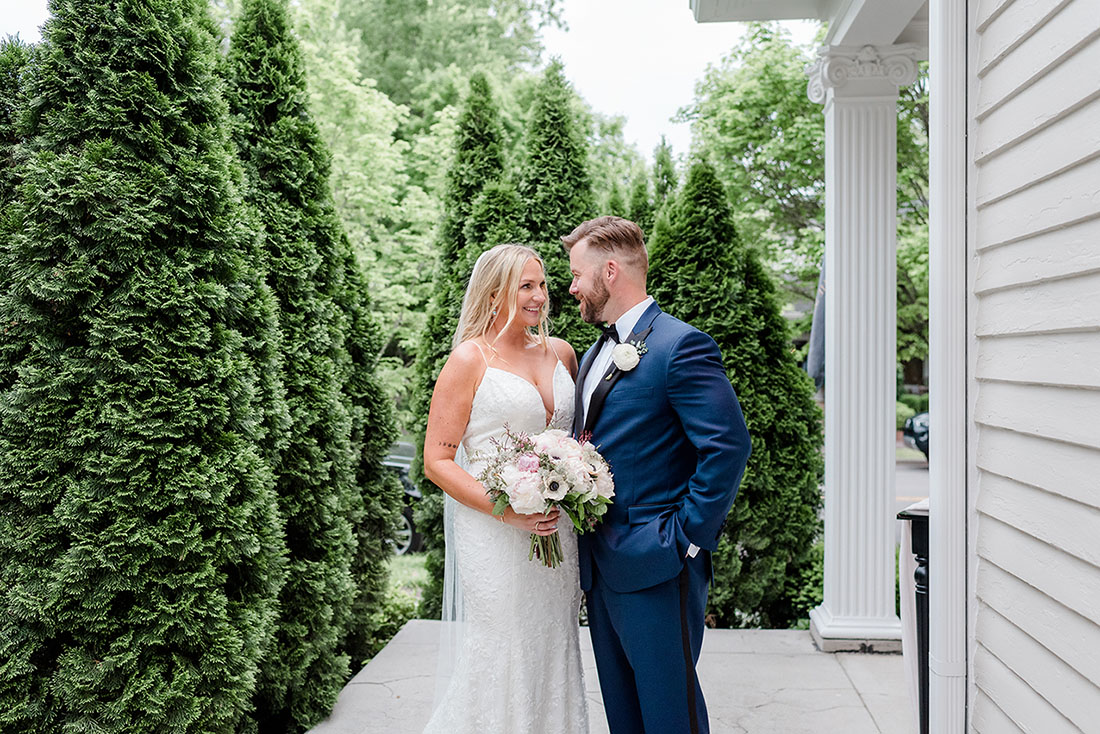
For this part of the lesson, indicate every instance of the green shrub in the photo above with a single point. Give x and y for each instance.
(904, 413)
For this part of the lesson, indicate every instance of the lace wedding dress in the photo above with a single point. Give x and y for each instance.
(518, 666)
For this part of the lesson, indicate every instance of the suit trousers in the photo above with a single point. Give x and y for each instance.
(646, 645)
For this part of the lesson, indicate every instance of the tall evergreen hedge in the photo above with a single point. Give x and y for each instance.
(704, 275)
(140, 544)
(15, 57)
(641, 206)
(338, 509)
(556, 190)
(478, 162)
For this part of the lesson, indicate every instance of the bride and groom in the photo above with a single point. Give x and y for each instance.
(672, 431)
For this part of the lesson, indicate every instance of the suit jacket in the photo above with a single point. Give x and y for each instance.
(673, 433)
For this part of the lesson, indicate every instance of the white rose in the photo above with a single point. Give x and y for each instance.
(605, 485)
(549, 441)
(525, 496)
(625, 356)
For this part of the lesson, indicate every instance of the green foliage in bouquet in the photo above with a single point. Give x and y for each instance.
(556, 190)
(477, 163)
(338, 508)
(140, 543)
(703, 274)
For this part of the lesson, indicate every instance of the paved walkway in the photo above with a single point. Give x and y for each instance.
(771, 681)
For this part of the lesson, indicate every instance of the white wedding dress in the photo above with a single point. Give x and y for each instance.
(518, 666)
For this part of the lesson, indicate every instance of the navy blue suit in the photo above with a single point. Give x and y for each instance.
(673, 433)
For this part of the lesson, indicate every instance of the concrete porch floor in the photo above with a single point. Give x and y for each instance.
(772, 681)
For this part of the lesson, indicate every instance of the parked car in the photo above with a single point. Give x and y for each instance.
(398, 461)
(915, 433)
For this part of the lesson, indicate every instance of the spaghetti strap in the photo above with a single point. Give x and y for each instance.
(482, 352)
(555, 351)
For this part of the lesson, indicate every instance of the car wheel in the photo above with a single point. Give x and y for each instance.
(406, 539)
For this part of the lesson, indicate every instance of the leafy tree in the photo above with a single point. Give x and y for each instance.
(414, 49)
(752, 117)
(557, 194)
(390, 219)
(140, 544)
(612, 162)
(476, 163)
(702, 273)
(287, 170)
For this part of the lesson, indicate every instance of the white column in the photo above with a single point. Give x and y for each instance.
(859, 88)
(947, 257)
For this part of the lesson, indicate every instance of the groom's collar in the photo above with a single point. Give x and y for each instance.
(625, 324)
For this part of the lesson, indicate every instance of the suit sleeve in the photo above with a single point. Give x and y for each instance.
(707, 407)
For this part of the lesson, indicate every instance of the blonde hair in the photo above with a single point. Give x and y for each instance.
(494, 284)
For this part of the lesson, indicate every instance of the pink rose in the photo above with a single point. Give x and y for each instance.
(527, 462)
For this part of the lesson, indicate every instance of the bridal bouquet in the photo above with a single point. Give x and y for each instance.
(537, 473)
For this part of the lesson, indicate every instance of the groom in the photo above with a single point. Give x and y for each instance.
(654, 397)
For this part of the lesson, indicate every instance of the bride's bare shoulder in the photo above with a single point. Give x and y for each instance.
(466, 360)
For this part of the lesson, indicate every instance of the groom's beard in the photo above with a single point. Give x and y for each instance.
(593, 303)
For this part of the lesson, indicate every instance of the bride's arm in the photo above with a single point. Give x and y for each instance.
(447, 418)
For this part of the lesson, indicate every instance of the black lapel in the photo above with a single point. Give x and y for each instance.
(578, 390)
(613, 375)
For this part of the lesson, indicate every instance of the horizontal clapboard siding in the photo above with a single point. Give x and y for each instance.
(1035, 211)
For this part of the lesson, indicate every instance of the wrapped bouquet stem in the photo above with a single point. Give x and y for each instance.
(534, 474)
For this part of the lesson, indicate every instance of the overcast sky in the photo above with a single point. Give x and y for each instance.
(636, 58)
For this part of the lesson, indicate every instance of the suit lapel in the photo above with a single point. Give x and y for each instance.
(578, 390)
(614, 374)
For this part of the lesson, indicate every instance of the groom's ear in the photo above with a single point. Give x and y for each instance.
(611, 270)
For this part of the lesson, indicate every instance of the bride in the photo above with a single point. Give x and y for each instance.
(517, 667)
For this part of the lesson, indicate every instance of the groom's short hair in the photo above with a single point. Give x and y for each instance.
(614, 236)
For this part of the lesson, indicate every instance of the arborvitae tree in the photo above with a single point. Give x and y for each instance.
(477, 162)
(616, 204)
(557, 194)
(329, 389)
(14, 61)
(494, 219)
(702, 274)
(664, 174)
(140, 542)
(641, 207)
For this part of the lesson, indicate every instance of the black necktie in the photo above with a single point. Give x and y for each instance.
(610, 332)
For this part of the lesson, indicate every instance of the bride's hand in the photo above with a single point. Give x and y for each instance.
(539, 524)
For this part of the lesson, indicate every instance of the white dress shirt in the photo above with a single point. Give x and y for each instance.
(625, 326)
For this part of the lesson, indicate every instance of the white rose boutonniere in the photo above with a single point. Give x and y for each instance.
(627, 355)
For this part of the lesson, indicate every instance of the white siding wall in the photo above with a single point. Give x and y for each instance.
(1035, 321)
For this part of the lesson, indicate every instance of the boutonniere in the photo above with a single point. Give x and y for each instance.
(627, 355)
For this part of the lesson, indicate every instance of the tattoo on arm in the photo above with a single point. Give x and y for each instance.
(448, 445)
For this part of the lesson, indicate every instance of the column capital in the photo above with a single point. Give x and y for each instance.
(835, 66)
